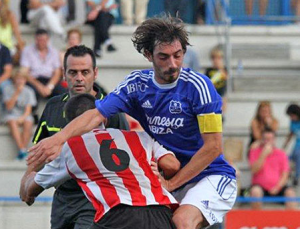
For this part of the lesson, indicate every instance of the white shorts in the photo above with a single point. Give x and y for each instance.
(214, 196)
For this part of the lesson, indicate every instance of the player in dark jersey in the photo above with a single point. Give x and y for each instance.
(70, 208)
(180, 109)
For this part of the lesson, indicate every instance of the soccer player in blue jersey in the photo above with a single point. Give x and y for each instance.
(178, 107)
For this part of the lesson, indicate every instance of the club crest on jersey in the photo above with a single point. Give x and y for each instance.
(175, 107)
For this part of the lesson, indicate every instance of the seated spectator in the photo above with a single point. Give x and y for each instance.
(293, 111)
(8, 27)
(101, 15)
(45, 14)
(177, 8)
(200, 12)
(42, 63)
(129, 17)
(24, 11)
(19, 100)
(296, 7)
(263, 5)
(191, 60)
(5, 67)
(270, 171)
(263, 119)
(218, 74)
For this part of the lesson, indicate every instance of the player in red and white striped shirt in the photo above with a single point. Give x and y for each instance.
(113, 168)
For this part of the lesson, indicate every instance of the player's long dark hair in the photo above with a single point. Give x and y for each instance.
(157, 30)
(293, 109)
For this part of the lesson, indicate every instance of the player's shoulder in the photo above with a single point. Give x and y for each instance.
(140, 75)
(198, 85)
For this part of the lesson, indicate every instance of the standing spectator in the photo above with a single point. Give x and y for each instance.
(263, 5)
(42, 63)
(5, 67)
(176, 8)
(19, 100)
(140, 7)
(8, 27)
(263, 119)
(101, 15)
(270, 171)
(293, 111)
(191, 60)
(218, 74)
(45, 14)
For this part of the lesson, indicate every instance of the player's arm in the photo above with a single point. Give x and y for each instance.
(166, 159)
(48, 149)
(29, 189)
(169, 165)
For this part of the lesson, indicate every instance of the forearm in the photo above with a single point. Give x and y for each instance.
(55, 78)
(80, 125)
(201, 160)
(257, 165)
(27, 112)
(10, 104)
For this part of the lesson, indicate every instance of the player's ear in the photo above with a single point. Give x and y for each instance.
(96, 71)
(148, 55)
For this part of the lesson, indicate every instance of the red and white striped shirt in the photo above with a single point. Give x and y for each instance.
(112, 167)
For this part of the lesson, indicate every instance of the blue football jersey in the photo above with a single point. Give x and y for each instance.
(169, 112)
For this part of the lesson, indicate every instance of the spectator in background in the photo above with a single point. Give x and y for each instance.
(5, 67)
(42, 63)
(176, 8)
(19, 100)
(270, 171)
(200, 12)
(45, 14)
(101, 15)
(263, 119)
(130, 18)
(191, 60)
(293, 111)
(218, 74)
(296, 6)
(8, 27)
(24, 11)
(263, 5)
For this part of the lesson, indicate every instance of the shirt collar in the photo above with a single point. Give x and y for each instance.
(166, 86)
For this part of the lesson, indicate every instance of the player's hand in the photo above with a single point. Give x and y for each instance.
(44, 151)
(154, 168)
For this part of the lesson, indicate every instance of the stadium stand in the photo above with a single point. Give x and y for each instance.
(265, 66)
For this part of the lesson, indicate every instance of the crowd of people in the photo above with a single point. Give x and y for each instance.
(31, 72)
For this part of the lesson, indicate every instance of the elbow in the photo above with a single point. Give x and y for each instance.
(176, 166)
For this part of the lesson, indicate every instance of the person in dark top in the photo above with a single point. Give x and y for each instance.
(5, 66)
(70, 207)
(218, 74)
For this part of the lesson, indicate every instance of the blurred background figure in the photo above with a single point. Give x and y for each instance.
(218, 74)
(191, 60)
(19, 100)
(133, 11)
(45, 14)
(296, 7)
(177, 7)
(74, 37)
(42, 63)
(293, 111)
(263, 119)
(5, 67)
(200, 12)
(263, 5)
(9, 27)
(270, 171)
(101, 15)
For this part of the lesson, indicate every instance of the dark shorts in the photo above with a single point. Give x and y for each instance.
(266, 193)
(129, 217)
(71, 211)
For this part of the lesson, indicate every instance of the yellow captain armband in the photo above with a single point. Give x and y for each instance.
(210, 123)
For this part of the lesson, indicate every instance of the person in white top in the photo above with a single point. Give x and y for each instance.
(113, 168)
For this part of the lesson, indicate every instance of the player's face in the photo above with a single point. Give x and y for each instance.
(167, 61)
(80, 74)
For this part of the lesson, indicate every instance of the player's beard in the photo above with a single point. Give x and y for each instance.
(169, 76)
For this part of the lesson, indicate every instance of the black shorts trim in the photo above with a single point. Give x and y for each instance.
(132, 217)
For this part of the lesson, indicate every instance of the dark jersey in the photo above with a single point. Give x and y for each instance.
(53, 120)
